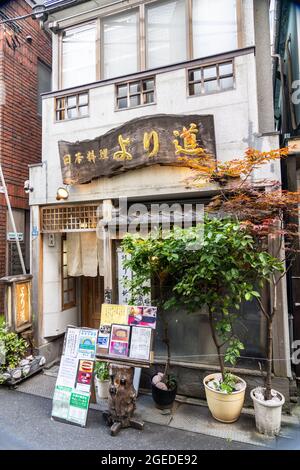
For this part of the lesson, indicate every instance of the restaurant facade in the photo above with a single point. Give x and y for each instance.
(133, 83)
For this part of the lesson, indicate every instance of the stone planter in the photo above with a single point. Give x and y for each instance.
(25, 368)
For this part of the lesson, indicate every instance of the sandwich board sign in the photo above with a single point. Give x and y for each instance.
(75, 377)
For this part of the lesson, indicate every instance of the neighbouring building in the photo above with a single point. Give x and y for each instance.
(25, 72)
(125, 76)
(286, 77)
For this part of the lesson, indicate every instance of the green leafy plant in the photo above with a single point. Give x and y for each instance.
(101, 371)
(14, 348)
(218, 274)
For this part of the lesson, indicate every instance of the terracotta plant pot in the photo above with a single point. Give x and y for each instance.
(267, 414)
(225, 407)
(163, 398)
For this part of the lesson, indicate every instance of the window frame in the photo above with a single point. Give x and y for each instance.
(217, 78)
(72, 303)
(141, 93)
(141, 30)
(77, 106)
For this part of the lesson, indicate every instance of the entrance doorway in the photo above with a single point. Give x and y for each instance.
(92, 297)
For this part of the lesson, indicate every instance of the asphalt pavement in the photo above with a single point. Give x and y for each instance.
(25, 423)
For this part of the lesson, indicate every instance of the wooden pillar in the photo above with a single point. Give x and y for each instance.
(107, 250)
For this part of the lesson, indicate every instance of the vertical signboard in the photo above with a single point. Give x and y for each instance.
(73, 386)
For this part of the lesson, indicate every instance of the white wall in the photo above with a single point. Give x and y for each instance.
(55, 320)
(236, 128)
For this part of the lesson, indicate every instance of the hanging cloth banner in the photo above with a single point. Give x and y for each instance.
(160, 139)
(75, 377)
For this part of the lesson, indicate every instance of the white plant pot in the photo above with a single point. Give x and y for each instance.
(267, 414)
(102, 388)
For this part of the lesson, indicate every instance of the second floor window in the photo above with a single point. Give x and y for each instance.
(137, 93)
(211, 78)
(150, 35)
(78, 55)
(72, 106)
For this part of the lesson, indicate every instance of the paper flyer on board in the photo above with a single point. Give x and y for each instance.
(73, 386)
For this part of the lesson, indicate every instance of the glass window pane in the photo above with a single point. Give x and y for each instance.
(210, 72)
(165, 33)
(120, 44)
(72, 113)
(71, 101)
(134, 88)
(148, 85)
(60, 103)
(44, 82)
(122, 91)
(225, 69)
(211, 86)
(83, 110)
(60, 115)
(195, 89)
(226, 83)
(135, 100)
(79, 55)
(149, 97)
(214, 29)
(122, 103)
(195, 75)
(66, 298)
(83, 98)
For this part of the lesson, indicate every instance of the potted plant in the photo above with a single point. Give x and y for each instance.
(13, 349)
(219, 277)
(268, 402)
(271, 216)
(212, 272)
(101, 374)
(157, 258)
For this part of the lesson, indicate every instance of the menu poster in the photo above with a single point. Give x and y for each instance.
(119, 340)
(142, 316)
(140, 344)
(103, 340)
(87, 342)
(113, 313)
(73, 386)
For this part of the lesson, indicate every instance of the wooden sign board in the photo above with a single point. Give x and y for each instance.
(160, 139)
(18, 308)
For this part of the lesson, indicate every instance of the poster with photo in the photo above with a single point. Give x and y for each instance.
(103, 339)
(119, 340)
(84, 375)
(87, 343)
(142, 316)
(140, 343)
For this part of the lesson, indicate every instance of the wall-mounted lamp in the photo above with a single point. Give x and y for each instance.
(27, 187)
(62, 194)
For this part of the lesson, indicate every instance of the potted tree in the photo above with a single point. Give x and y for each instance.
(219, 277)
(212, 272)
(157, 258)
(270, 214)
(101, 375)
